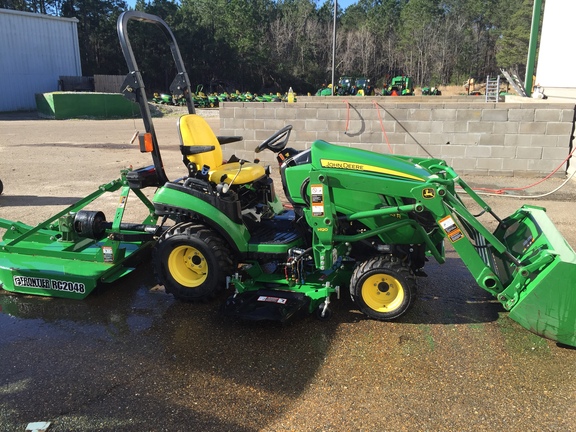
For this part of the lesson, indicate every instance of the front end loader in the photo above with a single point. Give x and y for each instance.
(356, 223)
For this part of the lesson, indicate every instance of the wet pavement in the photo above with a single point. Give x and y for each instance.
(131, 358)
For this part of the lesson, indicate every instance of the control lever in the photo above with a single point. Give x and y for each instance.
(226, 186)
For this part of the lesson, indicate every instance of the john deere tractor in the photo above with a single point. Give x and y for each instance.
(355, 223)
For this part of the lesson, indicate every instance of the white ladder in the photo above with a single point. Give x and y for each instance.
(492, 89)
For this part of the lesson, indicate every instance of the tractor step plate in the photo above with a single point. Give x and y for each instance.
(266, 305)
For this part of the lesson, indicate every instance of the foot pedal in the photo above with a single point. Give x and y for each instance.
(266, 305)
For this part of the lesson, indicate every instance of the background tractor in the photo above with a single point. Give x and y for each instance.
(399, 86)
(356, 223)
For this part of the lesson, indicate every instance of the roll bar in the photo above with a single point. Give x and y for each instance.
(133, 87)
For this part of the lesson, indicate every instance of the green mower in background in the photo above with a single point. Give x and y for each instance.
(356, 223)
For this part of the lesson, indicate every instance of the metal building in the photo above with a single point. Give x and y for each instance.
(556, 61)
(35, 50)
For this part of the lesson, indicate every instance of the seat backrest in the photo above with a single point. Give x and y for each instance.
(195, 131)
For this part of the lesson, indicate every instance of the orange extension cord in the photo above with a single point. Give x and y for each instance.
(493, 191)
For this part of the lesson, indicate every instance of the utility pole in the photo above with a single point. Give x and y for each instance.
(334, 45)
(534, 33)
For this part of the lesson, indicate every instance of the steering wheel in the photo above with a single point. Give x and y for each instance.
(277, 141)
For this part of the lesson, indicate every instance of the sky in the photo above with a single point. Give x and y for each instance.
(345, 3)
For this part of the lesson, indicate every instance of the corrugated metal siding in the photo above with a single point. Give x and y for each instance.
(35, 50)
(556, 62)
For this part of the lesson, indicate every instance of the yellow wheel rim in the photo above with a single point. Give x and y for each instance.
(382, 293)
(187, 265)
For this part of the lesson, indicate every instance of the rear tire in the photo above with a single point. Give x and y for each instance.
(192, 262)
(383, 288)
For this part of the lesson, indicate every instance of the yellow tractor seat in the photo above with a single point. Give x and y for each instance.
(194, 131)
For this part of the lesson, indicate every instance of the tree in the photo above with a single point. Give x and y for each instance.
(99, 48)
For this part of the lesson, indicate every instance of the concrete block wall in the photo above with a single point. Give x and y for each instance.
(476, 138)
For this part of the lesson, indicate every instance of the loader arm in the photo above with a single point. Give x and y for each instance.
(525, 263)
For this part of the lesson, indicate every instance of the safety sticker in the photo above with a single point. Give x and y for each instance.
(108, 254)
(451, 229)
(269, 299)
(317, 200)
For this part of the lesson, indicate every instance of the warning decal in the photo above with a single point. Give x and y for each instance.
(451, 229)
(269, 299)
(317, 200)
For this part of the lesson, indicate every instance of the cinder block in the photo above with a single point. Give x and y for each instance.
(489, 163)
(464, 164)
(567, 115)
(319, 125)
(265, 113)
(549, 141)
(420, 138)
(532, 128)
(554, 153)
(324, 114)
(369, 114)
(467, 138)
(528, 152)
(330, 136)
(504, 152)
(492, 140)
(495, 115)
(469, 115)
(408, 126)
(442, 138)
(305, 136)
(521, 115)
(444, 114)
(480, 127)
(274, 124)
(564, 129)
(334, 125)
(501, 173)
(547, 115)
(285, 113)
(424, 115)
(226, 112)
(454, 126)
(546, 166)
(306, 113)
(509, 127)
(424, 127)
(244, 113)
(515, 164)
(518, 140)
(453, 151)
(397, 114)
(474, 152)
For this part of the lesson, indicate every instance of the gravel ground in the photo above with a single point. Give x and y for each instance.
(130, 358)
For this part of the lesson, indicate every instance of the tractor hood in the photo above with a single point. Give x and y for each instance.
(326, 155)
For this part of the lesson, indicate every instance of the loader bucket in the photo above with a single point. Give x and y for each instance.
(541, 294)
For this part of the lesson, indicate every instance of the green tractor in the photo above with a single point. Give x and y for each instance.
(345, 86)
(399, 86)
(356, 223)
(364, 87)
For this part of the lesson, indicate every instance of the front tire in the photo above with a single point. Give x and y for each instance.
(383, 288)
(192, 262)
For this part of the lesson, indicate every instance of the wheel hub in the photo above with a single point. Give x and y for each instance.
(383, 287)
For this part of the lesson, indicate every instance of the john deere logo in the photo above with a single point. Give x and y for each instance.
(428, 193)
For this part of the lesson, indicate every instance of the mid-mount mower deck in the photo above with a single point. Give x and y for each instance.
(356, 221)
